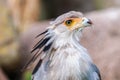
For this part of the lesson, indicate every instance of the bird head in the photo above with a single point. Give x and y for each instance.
(66, 26)
(70, 22)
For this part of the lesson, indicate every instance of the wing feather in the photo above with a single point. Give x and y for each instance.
(96, 73)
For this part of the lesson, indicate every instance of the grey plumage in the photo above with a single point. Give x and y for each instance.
(62, 57)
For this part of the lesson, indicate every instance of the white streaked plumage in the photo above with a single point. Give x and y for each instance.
(64, 57)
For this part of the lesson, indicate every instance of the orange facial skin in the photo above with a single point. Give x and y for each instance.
(71, 22)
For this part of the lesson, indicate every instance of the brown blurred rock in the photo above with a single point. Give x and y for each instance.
(24, 12)
(14, 17)
(102, 41)
(9, 44)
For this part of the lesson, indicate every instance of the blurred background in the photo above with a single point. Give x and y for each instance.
(22, 20)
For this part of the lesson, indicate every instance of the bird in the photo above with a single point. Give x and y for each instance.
(59, 52)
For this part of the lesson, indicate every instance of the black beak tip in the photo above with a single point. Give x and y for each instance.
(90, 22)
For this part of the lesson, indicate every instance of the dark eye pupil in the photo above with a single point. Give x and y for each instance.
(68, 22)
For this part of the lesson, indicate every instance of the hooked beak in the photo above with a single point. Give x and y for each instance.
(86, 22)
(81, 23)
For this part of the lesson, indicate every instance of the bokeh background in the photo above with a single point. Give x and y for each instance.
(22, 20)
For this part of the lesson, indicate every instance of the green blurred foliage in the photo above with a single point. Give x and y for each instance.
(27, 75)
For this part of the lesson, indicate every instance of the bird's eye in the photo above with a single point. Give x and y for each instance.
(69, 22)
